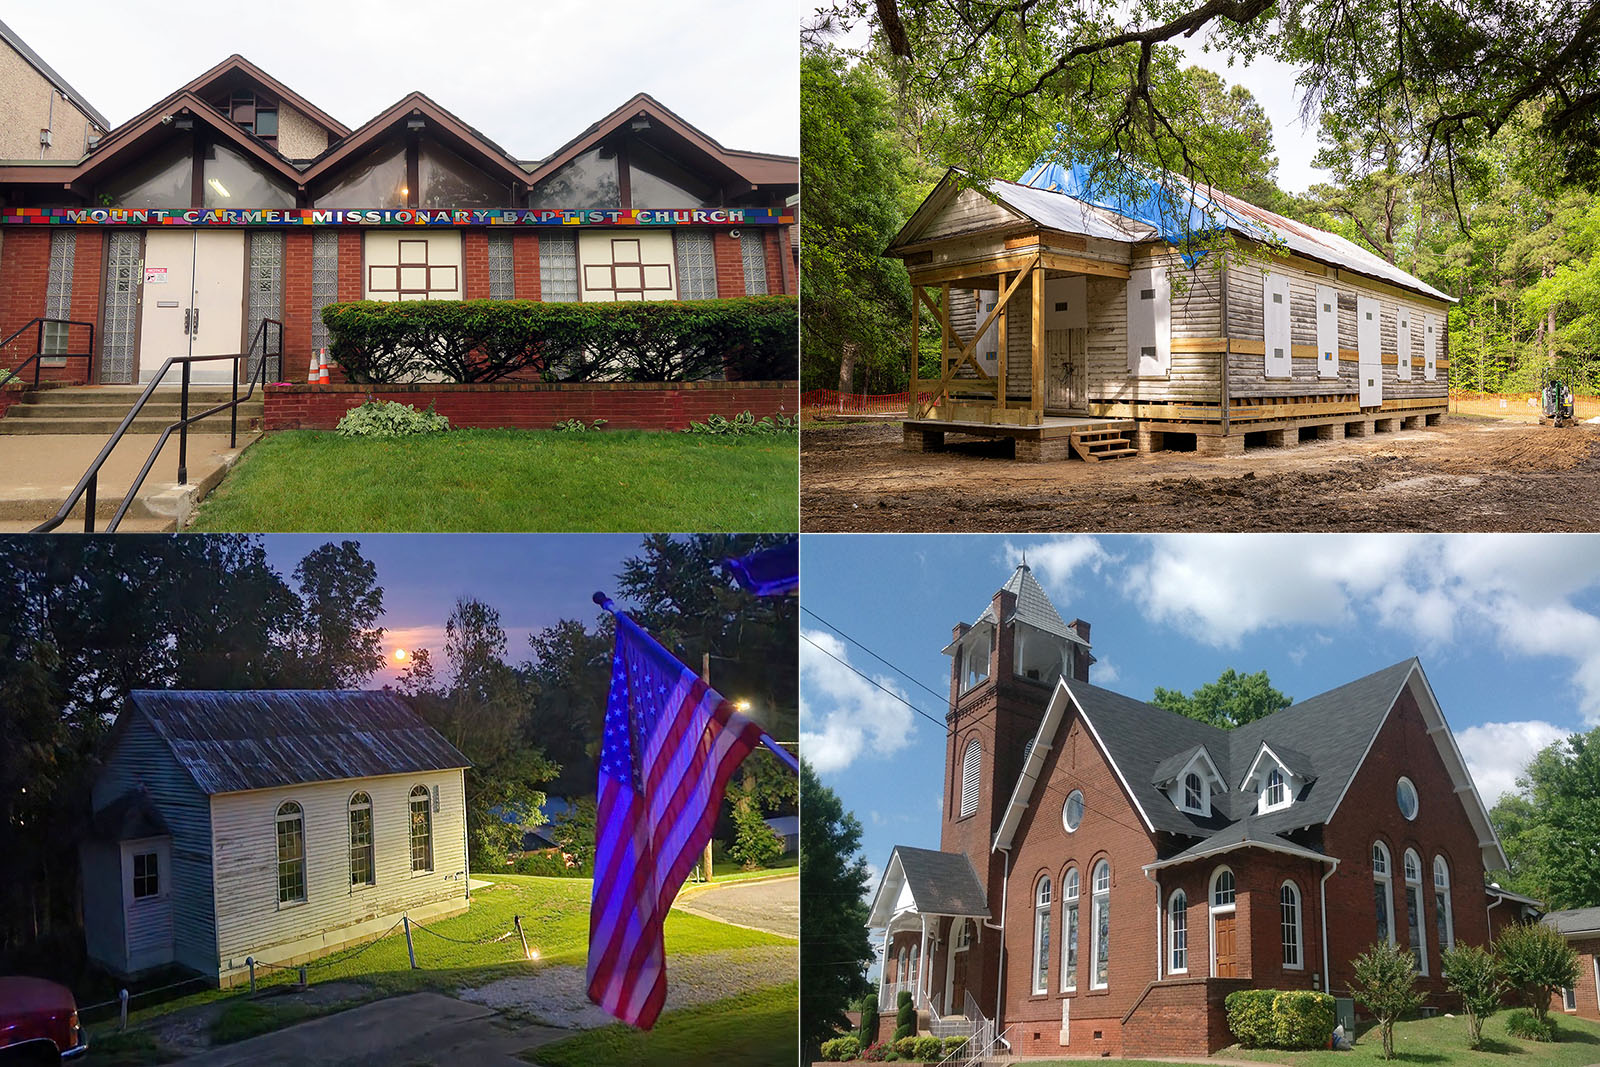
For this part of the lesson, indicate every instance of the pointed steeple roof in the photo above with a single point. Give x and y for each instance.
(1033, 606)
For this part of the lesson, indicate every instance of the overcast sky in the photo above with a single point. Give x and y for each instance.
(530, 76)
(1507, 628)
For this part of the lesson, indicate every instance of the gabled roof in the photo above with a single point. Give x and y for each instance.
(756, 168)
(130, 817)
(1574, 921)
(1053, 211)
(237, 66)
(491, 156)
(1292, 760)
(1033, 608)
(941, 883)
(1339, 726)
(34, 60)
(1168, 769)
(234, 741)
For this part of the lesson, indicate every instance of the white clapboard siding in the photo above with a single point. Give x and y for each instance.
(104, 936)
(250, 921)
(139, 758)
(149, 919)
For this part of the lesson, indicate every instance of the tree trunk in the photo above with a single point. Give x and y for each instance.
(847, 365)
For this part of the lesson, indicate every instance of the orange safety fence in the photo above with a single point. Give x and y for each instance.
(832, 402)
(1514, 405)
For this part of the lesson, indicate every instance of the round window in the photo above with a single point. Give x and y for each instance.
(1072, 811)
(1405, 795)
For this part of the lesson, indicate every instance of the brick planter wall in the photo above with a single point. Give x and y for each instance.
(537, 406)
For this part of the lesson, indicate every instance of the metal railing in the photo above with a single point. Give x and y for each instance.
(37, 325)
(981, 1038)
(87, 485)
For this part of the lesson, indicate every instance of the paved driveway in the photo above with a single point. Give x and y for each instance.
(772, 905)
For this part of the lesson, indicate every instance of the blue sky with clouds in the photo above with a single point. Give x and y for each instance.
(1507, 629)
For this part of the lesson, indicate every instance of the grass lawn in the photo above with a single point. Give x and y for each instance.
(754, 1029)
(483, 944)
(510, 480)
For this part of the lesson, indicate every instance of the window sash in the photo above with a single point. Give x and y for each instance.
(1419, 948)
(361, 852)
(291, 858)
(1289, 905)
(1102, 941)
(1178, 934)
(1069, 964)
(1041, 946)
(1381, 895)
(146, 875)
(421, 833)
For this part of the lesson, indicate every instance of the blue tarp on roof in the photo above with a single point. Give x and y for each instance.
(1180, 216)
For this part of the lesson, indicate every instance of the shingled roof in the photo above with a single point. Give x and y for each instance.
(941, 883)
(230, 742)
(1574, 921)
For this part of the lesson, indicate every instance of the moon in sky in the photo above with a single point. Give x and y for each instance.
(399, 655)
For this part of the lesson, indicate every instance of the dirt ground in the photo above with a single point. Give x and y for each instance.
(1469, 473)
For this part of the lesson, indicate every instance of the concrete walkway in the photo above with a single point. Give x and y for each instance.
(37, 471)
(771, 905)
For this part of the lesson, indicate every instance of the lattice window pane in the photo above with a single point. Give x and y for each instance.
(753, 247)
(558, 266)
(502, 276)
(119, 309)
(264, 296)
(58, 292)
(697, 265)
(324, 282)
(291, 855)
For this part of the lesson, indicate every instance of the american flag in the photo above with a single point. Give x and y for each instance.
(671, 744)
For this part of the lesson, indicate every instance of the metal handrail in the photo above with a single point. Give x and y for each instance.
(87, 485)
(38, 323)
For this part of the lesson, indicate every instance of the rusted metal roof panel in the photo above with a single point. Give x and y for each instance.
(232, 741)
(1058, 211)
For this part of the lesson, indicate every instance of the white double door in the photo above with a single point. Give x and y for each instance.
(192, 301)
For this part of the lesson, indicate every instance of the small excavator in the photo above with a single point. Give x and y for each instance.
(1555, 398)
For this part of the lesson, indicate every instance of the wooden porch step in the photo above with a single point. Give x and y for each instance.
(1096, 445)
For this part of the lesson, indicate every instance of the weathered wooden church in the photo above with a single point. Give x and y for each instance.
(277, 825)
(1109, 871)
(1077, 322)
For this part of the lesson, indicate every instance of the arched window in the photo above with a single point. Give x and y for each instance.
(1289, 909)
(1041, 936)
(1224, 945)
(1274, 788)
(1442, 912)
(361, 865)
(1193, 792)
(1414, 917)
(1069, 947)
(1382, 891)
(421, 830)
(971, 770)
(1100, 908)
(1222, 890)
(1178, 933)
(291, 853)
(916, 961)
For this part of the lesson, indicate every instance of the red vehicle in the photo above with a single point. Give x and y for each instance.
(38, 1022)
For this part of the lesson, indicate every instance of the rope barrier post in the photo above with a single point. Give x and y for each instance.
(122, 1000)
(250, 962)
(517, 920)
(411, 950)
(304, 981)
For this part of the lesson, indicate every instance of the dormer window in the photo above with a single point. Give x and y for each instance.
(1275, 791)
(1194, 798)
(1277, 777)
(1190, 779)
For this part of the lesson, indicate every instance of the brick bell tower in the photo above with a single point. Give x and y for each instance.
(1003, 669)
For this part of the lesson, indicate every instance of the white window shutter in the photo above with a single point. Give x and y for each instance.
(1430, 346)
(1149, 322)
(1275, 324)
(1327, 332)
(1402, 343)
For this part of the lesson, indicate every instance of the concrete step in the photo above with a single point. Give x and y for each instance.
(127, 394)
(216, 425)
(131, 524)
(152, 410)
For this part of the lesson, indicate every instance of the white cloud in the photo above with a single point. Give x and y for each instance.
(1055, 560)
(842, 715)
(1104, 671)
(1496, 752)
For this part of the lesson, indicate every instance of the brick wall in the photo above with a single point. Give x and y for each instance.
(525, 265)
(351, 252)
(1181, 1017)
(298, 311)
(647, 406)
(1588, 950)
(475, 264)
(730, 264)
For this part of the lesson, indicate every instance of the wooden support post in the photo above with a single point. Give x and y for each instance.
(1037, 389)
(912, 411)
(944, 332)
(1000, 392)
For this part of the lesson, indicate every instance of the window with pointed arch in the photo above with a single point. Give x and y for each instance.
(971, 771)
(916, 964)
(421, 830)
(1194, 797)
(361, 865)
(1442, 912)
(1415, 929)
(1041, 936)
(1178, 933)
(1382, 891)
(1100, 917)
(291, 853)
(1289, 918)
(1069, 944)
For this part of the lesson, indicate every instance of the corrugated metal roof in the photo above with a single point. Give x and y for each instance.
(258, 739)
(1069, 214)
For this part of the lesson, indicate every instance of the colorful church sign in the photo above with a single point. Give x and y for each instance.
(115, 216)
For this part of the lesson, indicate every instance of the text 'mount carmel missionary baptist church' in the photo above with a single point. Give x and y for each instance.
(235, 200)
(1109, 871)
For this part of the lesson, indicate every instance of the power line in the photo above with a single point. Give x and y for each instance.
(873, 682)
(941, 697)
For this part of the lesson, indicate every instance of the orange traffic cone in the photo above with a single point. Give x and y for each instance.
(312, 369)
(324, 379)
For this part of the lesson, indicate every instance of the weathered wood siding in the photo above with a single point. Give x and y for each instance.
(140, 759)
(148, 919)
(250, 919)
(966, 212)
(1247, 374)
(1196, 313)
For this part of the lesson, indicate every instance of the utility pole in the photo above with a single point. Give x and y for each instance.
(705, 676)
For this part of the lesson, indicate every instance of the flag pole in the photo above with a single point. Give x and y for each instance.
(787, 758)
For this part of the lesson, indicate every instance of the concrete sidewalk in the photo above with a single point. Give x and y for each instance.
(37, 471)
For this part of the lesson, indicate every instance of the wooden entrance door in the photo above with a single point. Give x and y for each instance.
(1226, 961)
(1066, 366)
(958, 982)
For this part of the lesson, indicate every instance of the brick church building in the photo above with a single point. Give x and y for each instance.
(235, 200)
(1109, 871)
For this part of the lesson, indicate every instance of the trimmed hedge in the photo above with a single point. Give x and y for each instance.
(841, 1048)
(750, 338)
(1286, 1019)
(905, 1018)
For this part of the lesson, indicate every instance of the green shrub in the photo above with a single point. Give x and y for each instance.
(755, 844)
(1528, 1026)
(1302, 1019)
(927, 1048)
(550, 863)
(744, 424)
(578, 425)
(905, 1016)
(841, 1048)
(749, 338)
(906, 1047)
(869, 1019)
(1473, 974)
(1386, 979)
(953, 1042)
(1537, 962)
(386, 418)
(877, 1052)
(1250, 1017)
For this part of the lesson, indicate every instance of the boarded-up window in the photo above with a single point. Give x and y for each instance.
(1149, 323)
(1327, 332)
(1275, 325)
(1430, 346)
(1402, 345)
(971, 769)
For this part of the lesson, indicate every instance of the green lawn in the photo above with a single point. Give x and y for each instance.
(510, 480)
(754, 1029)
